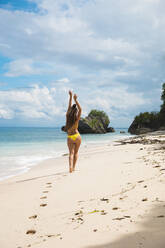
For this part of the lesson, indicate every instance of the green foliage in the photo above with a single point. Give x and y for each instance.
(162, 107)
(100, 115)
(97, 120)
(152, 120)
(146, 119)
(93, 123)
(163, 93)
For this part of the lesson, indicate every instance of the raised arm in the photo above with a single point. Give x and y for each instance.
(78, 106)
(70, 102)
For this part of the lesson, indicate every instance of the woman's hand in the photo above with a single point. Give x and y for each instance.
(70, 92)
(75, 97)
(70, 101)
(78, 105)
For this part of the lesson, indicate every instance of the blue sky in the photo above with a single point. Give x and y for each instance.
(111, 53)
(23, 5)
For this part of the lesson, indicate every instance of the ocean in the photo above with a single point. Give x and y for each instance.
(24, 147)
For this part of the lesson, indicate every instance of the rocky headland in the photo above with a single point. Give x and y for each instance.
(149, 121)
(96, 122)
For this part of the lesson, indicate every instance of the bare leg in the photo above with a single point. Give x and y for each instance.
(75, 160)
(77, 146)
(71, 147)
(71, 162)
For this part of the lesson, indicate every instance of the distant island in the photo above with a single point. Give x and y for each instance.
(97, 122)
(149, 121)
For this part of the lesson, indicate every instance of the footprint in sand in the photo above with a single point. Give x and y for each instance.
(122, 198)
(115, 208)
(33, 217)
(45, 191)
(48, 183)
(141, 181)
(49, 186)
(31, 231)
(53, 235)
(119, 218)
(43, 205)
(43, 197)
(103, 212)
(104, 199)
(144, 199)
(127, 216)
(160, 216)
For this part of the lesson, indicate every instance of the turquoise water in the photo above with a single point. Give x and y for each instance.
(24, 147)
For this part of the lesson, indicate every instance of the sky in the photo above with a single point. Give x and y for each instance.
(110, 53)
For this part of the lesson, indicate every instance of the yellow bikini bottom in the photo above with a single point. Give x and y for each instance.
(74, 136)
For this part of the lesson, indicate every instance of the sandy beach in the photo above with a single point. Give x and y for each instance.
(114, 199)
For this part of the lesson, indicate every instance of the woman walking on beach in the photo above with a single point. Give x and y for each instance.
(74, 139)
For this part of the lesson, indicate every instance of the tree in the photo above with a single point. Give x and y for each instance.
(162, 107)
(163, 93)
(152, 120)
(100, 115)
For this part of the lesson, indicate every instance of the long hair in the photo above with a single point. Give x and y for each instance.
(71, 117)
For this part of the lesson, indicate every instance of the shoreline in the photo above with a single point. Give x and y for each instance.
(115, 198)
(29, 166)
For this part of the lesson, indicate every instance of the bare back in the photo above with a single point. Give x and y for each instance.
(73, 129)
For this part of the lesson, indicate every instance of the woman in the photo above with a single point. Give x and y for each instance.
(74, 139)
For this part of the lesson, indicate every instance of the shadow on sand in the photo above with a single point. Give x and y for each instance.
(151, 232)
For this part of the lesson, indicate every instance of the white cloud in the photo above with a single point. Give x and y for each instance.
(36, 103)
(59, 37)
(23, 67)
(114, 49)
(80, 34)
(45, 103)
(20, 67)
(5, 112)
(118, 98)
